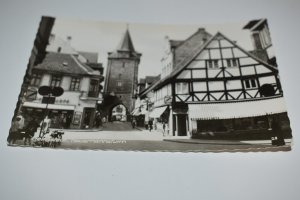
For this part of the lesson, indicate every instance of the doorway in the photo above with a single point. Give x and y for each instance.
(182, 123)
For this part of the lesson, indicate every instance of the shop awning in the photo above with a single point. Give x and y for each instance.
(136, 112)
(50, 106)
(236, 109)
(157, 112)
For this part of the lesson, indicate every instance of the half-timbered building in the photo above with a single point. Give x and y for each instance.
(218, 89)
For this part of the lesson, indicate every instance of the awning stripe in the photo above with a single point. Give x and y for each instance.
(236, 109)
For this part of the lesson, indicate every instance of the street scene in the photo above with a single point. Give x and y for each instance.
(138, 87)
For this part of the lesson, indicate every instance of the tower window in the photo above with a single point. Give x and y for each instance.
(119, 83)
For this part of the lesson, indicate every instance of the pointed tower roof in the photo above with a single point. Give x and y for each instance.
(125, 48)
(126, 43)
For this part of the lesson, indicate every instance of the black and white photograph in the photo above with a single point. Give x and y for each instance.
(123, 86)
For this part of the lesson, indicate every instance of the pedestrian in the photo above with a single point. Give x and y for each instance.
(277, 132)
(150, 125)
(97, 119)
(164, 128)
(68, 120)
(30, 131)
(133, 123)
(14, 131)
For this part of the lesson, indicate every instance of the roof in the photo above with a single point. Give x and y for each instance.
(152, 79)
(142, 81)
(65, 64)
(175, 43)
(189, 46)
(92, 57)
(232, 110)
(250, 24)
(193, 54)
(255, 25)
(126, 43)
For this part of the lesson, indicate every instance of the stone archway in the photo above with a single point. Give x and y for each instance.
(118, 113)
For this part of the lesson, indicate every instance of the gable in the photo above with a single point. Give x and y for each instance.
(219, 53)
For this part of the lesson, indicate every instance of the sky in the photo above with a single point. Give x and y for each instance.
(148, 39)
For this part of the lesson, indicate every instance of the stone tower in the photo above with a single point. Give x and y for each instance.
(122, 72)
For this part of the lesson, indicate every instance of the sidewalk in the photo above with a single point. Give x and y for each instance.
(224, 142)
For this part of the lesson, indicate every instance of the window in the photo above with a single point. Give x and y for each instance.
(210, 64)
(250, 83)
(119, 83)
(234, 62)
(55, 81)
(182, 88)
(216, 63)
(36, 79)
(213, 63)
(58, 49)
(231, 62)
(75, 83)
(94, 88)
(228, 63)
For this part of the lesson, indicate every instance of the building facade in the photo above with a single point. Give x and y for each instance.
(218, 90)
(81, 85)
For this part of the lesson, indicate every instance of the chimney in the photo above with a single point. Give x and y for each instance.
(201, 29)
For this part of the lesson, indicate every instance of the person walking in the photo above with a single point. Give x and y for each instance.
(150, 124)
(164, 128)
(133, 123)
(30, 131)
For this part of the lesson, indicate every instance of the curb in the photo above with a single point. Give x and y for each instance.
(204, 142)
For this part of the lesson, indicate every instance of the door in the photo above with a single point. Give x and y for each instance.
(182, 124)
(88, 117)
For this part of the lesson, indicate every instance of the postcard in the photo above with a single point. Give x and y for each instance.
(122, 86)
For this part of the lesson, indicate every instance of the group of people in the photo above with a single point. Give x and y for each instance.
(19, 130)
